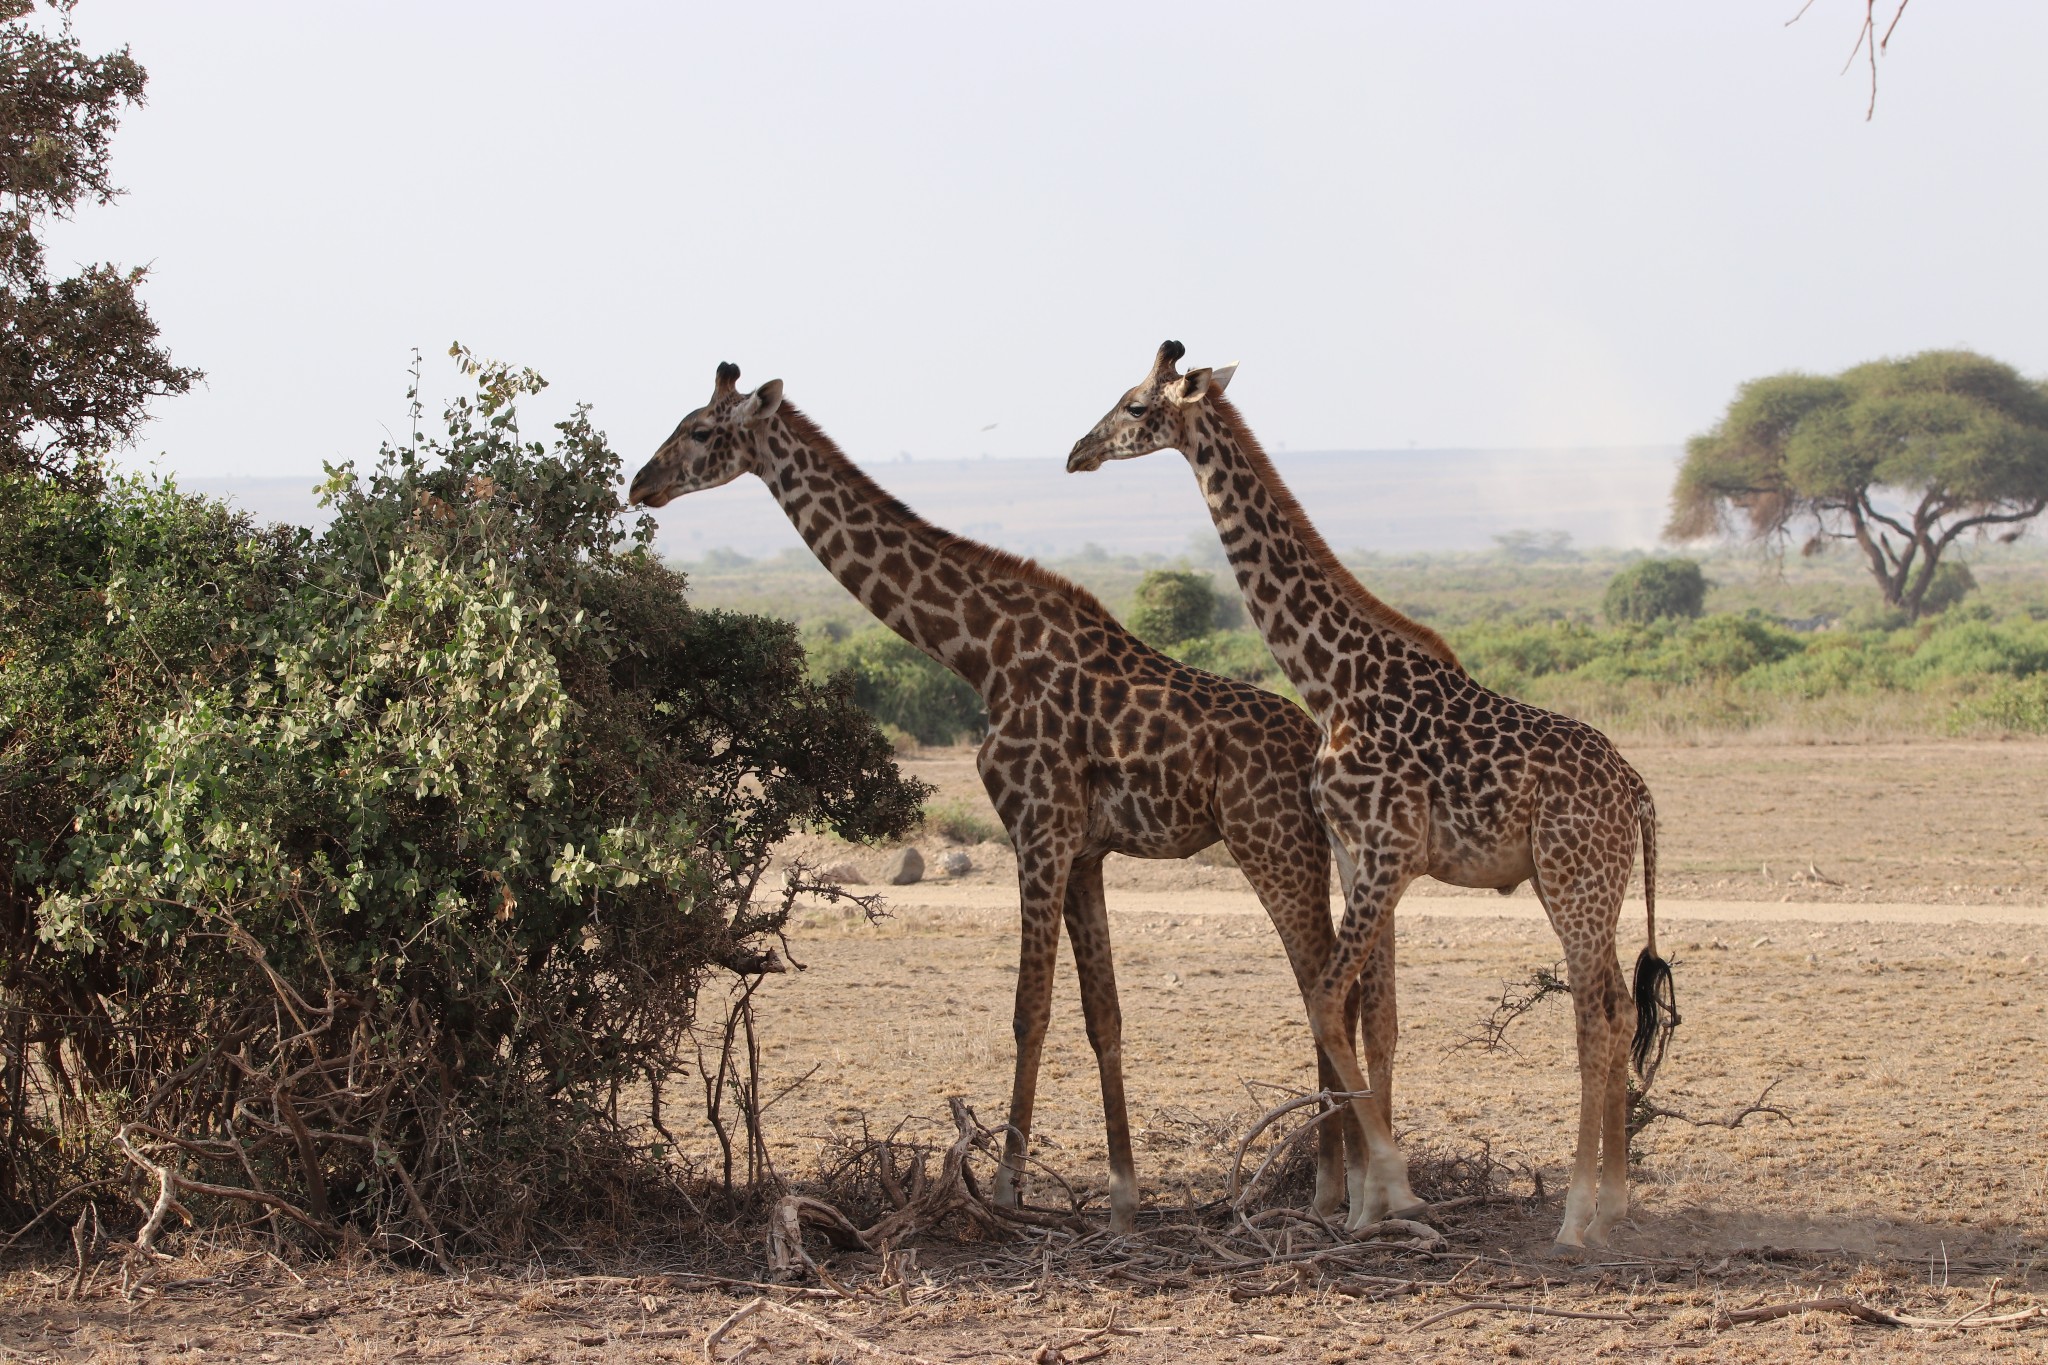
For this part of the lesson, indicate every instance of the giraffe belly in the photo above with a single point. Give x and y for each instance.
(1500, 866)
(1146, 815)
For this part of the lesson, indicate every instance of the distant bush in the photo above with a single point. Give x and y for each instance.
(2018, 705)
(1174, 606)
(900, 685)
(1654, 589)
(1952, 582)
(963, 823)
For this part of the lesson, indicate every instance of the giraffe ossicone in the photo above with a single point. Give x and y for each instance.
(1423, 772)
(1097, 744)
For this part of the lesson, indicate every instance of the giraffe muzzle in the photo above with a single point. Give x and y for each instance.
(1084, 458)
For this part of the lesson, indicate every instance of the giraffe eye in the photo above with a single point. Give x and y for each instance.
(700, 434)
(1135, 409)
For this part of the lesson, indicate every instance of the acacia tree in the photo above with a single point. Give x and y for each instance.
(1903, 457)
(79, 357)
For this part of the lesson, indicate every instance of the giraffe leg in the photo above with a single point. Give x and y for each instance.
(1357, 1156)
(1041, 886)
(1599, 1002)
(1088, 932)
(1611, 1204)
(1367, 915)
(1374, 1006)
(1332, 1147)
(1293, 884)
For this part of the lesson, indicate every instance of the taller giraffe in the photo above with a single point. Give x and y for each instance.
(1097, 744)
(1423, 772)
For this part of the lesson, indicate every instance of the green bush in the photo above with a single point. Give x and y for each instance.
(900, 685)
(371, 871)
(1174, 606)
(1654, 589)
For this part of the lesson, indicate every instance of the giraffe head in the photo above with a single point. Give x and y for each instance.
(713, 445)
(1153, 416)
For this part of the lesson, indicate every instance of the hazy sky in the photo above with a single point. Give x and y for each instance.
(1451, 224)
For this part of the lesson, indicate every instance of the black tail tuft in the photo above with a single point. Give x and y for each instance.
(1656, 1006)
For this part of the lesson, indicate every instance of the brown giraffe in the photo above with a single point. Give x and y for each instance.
(1423, 772)
(1097, 744)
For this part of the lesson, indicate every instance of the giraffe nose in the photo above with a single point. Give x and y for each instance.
(1083, 458)
(645, 485)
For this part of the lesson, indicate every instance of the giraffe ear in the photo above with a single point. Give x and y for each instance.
(1196, 385)
(762, 402)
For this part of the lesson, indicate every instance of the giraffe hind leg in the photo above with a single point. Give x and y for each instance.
(1603, 1019)
(1088, 932)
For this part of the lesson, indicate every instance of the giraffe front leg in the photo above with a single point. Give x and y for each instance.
(1041, 886)
(1088, 932)
(1379, 1022)
(1368, 915)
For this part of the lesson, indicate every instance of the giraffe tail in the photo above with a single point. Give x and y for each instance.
(1656, 1001)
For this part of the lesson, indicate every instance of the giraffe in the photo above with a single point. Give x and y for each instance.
(1424, 772)
(1096, 744)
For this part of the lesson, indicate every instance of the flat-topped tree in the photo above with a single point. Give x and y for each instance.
(1423, 772)
(1097, 744)
(1903, 457)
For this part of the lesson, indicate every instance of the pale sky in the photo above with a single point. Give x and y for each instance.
(1449, 224)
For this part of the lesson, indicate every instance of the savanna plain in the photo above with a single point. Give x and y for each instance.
(1861, 942)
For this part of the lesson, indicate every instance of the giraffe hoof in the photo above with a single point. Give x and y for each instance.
(1561, 1250)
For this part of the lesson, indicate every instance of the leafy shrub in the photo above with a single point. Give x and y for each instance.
(1174, 606)
(411, 851)
(1960, 649)
(900, 685)
(1654, 589)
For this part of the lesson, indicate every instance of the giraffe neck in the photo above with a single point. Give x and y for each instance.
(1313, 614)
(936, 590)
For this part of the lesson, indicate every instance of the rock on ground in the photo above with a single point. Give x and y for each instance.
(905, 866)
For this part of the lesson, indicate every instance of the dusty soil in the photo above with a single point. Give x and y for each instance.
(1904, 1037)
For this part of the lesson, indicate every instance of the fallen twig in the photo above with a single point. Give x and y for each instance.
(1503, 1306)
(810, 1320)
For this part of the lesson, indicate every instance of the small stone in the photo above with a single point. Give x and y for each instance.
(842, 874)
(956, 863)
(905, 865)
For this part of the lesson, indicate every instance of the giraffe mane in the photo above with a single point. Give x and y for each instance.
(972, 553)
(1376, 611)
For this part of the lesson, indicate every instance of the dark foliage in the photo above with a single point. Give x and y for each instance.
(79, 358)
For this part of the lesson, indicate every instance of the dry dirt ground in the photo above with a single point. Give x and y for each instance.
(1899, 1021)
